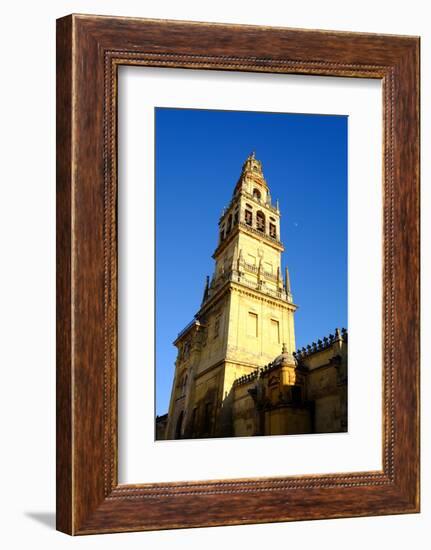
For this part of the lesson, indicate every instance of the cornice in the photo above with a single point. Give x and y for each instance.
(247, 291)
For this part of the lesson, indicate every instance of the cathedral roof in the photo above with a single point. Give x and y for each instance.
(285, 358)
(294, 359)
(320, 345)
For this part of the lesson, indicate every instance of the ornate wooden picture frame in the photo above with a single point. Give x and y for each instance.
(89, 51)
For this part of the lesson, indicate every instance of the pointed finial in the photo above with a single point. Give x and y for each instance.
(287, 282)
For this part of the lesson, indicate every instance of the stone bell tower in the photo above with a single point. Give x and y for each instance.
(247, 313)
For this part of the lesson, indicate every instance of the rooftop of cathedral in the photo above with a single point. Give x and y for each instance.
(297, 356)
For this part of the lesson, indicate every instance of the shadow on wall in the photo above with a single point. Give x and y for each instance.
(45, 518)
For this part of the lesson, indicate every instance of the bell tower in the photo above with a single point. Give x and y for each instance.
(247, 312)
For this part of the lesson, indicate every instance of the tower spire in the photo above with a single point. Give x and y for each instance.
(251, 172)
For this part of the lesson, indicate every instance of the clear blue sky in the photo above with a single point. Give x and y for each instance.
(199, 155)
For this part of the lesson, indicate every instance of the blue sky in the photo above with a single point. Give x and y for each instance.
(199, 155)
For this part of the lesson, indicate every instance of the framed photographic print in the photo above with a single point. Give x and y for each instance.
(237, 274)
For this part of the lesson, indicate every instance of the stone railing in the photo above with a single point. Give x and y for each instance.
(255, 269)
(320, 345)
(237, 277)
(250, 229)
(270, 276)
(260, 372)
(259, 233)
(246, 378)
(248, 267)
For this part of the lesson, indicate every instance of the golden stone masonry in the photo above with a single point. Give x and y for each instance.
(230, 378)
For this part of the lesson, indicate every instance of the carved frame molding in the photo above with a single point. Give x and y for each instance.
(89, 51)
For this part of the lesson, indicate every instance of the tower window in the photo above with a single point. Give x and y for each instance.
(272, 231)
(275, 331)
(248, 217)
(260, 221)
(256, 194)
(235, 218)
(252, 324)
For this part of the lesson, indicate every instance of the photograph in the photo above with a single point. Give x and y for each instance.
(251, 273)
